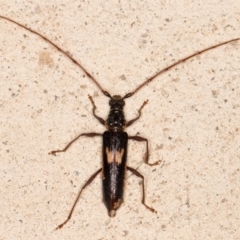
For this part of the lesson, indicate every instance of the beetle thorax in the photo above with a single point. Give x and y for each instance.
(116, 120)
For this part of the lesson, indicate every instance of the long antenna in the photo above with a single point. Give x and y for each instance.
(95, 81)
(175, 64)
(62, 51)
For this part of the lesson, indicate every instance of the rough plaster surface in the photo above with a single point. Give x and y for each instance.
(191, 120)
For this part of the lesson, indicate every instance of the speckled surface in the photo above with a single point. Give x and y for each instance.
(191, 120)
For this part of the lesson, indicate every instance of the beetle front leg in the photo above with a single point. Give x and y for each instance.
(102, 121)
(129, 123)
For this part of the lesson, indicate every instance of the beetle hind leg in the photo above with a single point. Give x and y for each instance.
(135, 172)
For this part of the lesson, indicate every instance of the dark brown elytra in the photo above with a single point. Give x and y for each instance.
(115, 139)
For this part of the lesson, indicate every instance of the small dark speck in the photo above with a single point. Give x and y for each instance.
(215, 93)
(95, 94)
(123, 77)
(163, 227)
(83, 116)
(45, 91)
(83, 86)
(228, 27)
(169, 138)
(20, 221)
(167, 20)
(77, 173)
(24, 35)
(55, 97)
(225, 100)
(216, 128)
(69, 53)
(159, 147)
(144, 35)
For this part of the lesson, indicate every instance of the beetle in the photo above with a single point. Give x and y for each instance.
(115, 139)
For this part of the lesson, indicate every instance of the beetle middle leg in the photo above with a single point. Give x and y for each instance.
(141, 139)
(129, 123)
(135, 172)
(69, 144)
(102, 121)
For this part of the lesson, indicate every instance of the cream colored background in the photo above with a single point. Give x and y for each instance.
(192, 119)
